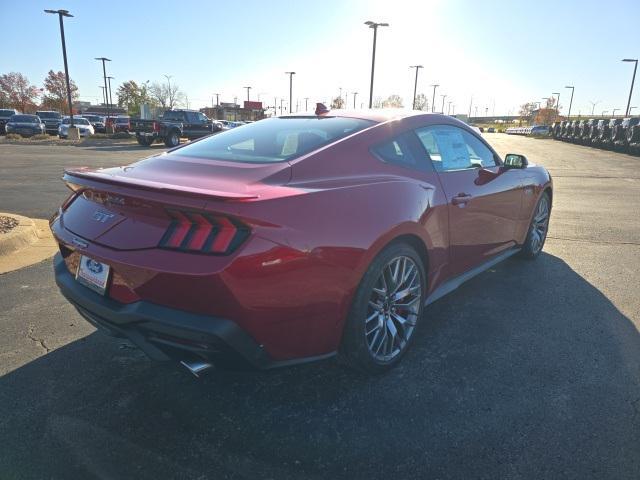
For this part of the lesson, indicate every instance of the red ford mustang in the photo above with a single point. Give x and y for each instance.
(294, 238)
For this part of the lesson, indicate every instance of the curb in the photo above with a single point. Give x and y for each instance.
(23, 235)
(29, 243)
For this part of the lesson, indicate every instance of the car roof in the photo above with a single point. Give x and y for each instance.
(377, 115)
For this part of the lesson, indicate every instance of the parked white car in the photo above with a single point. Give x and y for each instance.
(83, 125)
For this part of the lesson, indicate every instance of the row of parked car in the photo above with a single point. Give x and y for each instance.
(540, 130)
(54, 123)
(615, 133)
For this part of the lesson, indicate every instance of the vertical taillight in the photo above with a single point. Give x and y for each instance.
(203, 232)
(156, 126)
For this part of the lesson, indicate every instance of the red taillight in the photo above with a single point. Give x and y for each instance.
(156, 127)
(203, 232)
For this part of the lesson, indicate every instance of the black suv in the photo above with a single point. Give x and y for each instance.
(633, 137)
(51, 120)
(5, 115)
(606, 135)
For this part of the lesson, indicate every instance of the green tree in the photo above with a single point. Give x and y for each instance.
(55, 86)
(131, 96)
(17, 92)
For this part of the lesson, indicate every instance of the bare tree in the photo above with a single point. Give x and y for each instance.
(393, 101)
(337, 103)
(167, 98)
(422, 102)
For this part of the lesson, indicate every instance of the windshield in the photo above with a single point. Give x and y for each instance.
(122, 120)
(76, 121)
(48, 114)
(275, 139)
(7, 113)
(25, 119)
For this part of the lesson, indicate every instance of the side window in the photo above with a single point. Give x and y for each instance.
(401, 150)
(192, 117)
(202, 117)
(452, 148)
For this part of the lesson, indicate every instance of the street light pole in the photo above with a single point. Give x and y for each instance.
(65, 13)
(306, 104)
(415, 84)
(570, 101)
(248, 88)
(633, 80)
(104, 100)
(104, 75)
(354, 99)
(110, 97)
(433, 99)
(442, 109)
(375, 26)
(291, 74)
(613, 113)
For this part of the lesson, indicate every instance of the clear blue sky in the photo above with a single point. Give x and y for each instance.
(507, 52)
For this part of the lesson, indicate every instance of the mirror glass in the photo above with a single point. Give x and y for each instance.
(513, 160)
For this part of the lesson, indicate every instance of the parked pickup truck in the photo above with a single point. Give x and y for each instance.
(174, 125)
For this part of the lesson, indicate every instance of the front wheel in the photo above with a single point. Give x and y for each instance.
(385, 310)
(537, 229)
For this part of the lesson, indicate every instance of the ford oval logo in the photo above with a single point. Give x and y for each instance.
(94, 266)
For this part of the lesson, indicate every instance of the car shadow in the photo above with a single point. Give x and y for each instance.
(527, 371)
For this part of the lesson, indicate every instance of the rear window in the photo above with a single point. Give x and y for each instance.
(122, 120)
(25, 119)
(274, 139)
(7, 113)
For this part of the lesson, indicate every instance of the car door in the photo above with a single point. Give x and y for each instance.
(484, 200)
(194, 127)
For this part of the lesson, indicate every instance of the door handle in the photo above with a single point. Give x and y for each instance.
(461, 199)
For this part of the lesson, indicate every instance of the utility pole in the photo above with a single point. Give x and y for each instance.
(415, 83)
(470, 104)
(354, 99)
(442, 109)
(306, 104)
(374, 26)
(248, 88)
(433, 100)
(65, 13)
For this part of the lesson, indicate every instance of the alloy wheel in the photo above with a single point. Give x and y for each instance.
(540, 225)
(393, 309)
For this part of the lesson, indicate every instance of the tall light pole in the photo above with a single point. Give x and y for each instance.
(375, 26)
(168, 77)
(593, 106)
(415, 84)
(306, 104)
(217, 99)
(470, 104)
(110, 98)
(248, 88)
(433, 99)
(103, 95)
(65, 13)
(557, 104)
(449, 107)
(570, 101)
(354, 99)
(291, 74)
(104, 75)
(613, 113)
(442, 109)
(603, 112)
(633, 80)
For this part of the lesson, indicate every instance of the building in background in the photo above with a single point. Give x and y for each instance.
(250, 111)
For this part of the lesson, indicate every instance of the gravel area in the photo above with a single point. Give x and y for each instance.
(7, 223)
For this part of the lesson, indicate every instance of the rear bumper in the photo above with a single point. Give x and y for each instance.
(163, 333)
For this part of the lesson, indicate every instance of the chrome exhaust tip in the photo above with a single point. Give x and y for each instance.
(196, 368)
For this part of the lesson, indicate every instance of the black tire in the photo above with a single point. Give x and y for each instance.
(531, 249)
(144, 141)
(355, 350)
(172, 139)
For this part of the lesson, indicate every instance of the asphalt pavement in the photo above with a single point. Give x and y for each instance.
(529, 371)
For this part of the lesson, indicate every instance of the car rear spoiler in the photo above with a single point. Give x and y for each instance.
(87, 177)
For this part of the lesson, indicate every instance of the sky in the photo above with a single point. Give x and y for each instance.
(502, 53)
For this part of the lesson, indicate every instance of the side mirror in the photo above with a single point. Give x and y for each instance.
(514, 160)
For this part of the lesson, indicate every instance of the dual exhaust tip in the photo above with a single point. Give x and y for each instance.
(196, 367)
